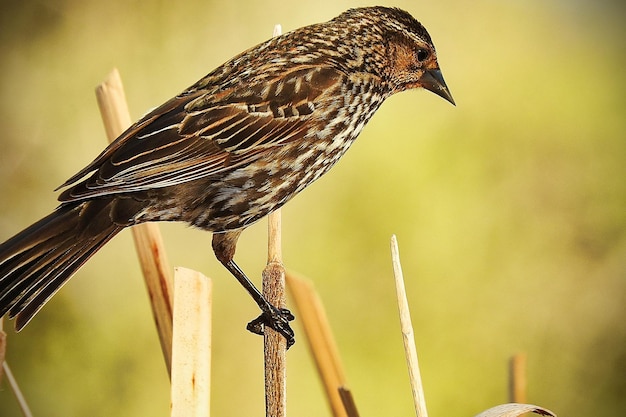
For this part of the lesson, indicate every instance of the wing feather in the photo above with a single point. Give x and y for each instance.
(199, 134)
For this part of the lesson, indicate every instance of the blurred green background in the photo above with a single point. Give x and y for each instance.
(510, 211)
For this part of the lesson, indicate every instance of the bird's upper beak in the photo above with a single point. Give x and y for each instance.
(432, 80)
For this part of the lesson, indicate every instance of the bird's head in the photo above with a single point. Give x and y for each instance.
(414, 65)
(407, 58)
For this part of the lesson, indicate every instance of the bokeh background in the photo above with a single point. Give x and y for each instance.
(510, 210)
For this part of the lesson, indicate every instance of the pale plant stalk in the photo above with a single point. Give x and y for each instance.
(319, 336)
(407, 334)
(5, 371)
(148, 241)
(275, 346)
(21, 400)
(191, 347)
(517, 378)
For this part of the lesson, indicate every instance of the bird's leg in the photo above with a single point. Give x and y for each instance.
(277, 318)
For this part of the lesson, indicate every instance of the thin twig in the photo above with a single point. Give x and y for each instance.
(275, 346)
(407, 334)
(16, 390)
(148, 240)
(5, 371)
(321, 342)
(191, 347)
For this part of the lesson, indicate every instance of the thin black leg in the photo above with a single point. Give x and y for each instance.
(276, 318)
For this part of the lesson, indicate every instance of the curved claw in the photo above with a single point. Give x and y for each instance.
(277, 319)
(287, 314)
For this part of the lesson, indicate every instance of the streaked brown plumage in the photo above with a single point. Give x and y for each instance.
(227, 151)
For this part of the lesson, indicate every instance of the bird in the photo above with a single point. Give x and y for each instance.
(230, 149)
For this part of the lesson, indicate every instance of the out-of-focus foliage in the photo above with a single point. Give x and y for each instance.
(510, 210)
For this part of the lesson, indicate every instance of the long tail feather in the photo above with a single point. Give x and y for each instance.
(36, 262)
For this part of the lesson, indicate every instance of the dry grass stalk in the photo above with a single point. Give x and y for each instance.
(147, 237)
(3, 344)
(21, 401)
(191, 347)
(313, 318)
(275, 346)
(407, 334)
(5, 371)
(517, 378)
(348, 402)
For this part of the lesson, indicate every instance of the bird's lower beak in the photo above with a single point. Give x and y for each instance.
(432, 80)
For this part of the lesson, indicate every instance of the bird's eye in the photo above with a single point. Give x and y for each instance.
(422, 55)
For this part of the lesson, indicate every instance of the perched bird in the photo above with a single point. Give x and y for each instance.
(230, 149)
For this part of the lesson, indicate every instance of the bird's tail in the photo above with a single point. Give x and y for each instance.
(36, 262)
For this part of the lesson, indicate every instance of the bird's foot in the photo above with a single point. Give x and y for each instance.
(276, 318)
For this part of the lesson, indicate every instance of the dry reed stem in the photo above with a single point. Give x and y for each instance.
(407, 334)
(348, 402)
(3, 344)
(321, 342)
(191, 347)
(21, 401)
(274, 344)
(517, 378)
(147, 237)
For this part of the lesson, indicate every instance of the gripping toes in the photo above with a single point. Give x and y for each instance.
(277, 319)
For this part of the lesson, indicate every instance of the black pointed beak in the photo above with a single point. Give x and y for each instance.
(432, 80)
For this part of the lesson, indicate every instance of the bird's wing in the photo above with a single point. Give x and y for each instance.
(198, 134)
